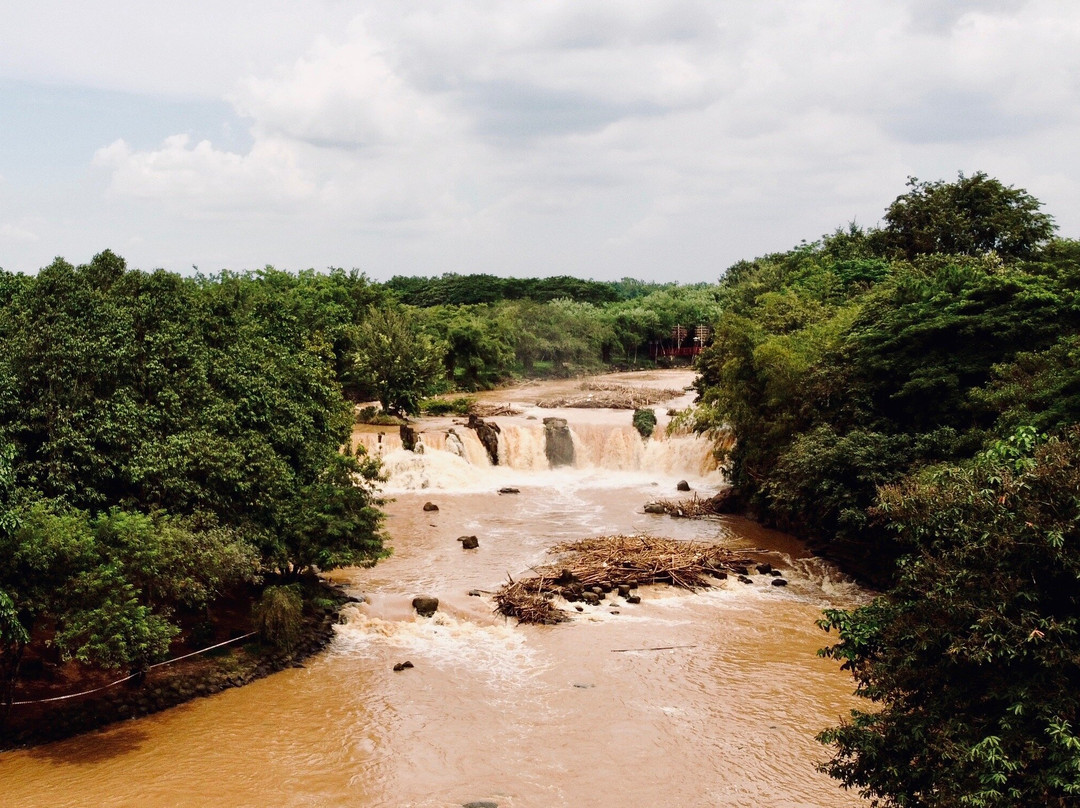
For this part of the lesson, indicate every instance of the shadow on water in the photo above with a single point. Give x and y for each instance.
(94, 747)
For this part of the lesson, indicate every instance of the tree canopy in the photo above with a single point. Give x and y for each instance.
(971, 658)
(163, 439)
(973, 215)
(907, 399)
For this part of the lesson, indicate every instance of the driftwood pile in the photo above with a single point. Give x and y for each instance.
(491, 410)
(596, 395)
(694, 508)
(723, 501)
(591, 568)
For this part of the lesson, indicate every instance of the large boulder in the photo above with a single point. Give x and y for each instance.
(558, 443)
(430, 506)
(489, 436)
(724, 501)
(469, 542)
(425, 605)
(408, 437)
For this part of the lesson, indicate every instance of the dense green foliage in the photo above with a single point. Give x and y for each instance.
(842, 367)
(163, 439)
(487, 343)
(885, 389)
(278, 616)
(971, 216)
(971, 658)
(458, 290)
(395, 360)
(644, 421)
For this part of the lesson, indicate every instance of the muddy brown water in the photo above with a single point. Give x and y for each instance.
(524, 716)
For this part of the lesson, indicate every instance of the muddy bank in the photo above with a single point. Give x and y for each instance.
(232, 665)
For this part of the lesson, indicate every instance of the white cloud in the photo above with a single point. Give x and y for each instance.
(179, 173)
(581, 135)
(345, 95)
(12, 232)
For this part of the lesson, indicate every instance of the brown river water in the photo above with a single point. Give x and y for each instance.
(582, 713)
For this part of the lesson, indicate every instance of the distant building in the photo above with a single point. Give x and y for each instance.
(681, 342)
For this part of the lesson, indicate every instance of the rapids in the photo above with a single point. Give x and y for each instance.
(524, 716)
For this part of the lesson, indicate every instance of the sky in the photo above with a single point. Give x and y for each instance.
(655, 139)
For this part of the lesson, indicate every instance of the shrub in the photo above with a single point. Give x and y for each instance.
(443, 406)
(373, 415)
(645, 422)
(278, 616)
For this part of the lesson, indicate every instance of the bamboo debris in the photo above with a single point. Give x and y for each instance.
(604, 564)
(491, 410)
(693, 508)
(526, 600)
(598, 395)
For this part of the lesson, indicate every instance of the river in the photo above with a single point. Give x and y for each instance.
(585, 712)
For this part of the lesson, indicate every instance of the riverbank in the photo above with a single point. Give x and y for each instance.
(91, 699)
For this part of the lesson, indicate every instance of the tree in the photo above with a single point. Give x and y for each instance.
(163, 439)
(478, 345)
(399, 362)
(973, 215)
(971, 658)
(110, 583)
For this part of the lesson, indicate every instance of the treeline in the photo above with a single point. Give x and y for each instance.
(847, 364)
(466, 290)
(909, 393)
(412, 351)
(488, 343)
(163, 441)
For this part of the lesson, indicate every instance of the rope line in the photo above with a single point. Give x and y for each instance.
(139, 673)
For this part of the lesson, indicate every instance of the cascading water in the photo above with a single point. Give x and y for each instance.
(524, 446)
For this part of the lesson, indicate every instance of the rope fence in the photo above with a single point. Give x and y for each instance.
(138, 673)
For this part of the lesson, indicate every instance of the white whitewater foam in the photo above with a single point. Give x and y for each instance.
(496, 650)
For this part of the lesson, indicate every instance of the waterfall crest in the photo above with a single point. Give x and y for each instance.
(454, 457)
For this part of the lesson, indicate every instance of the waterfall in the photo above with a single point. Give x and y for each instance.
(522, 447)
(454, 457)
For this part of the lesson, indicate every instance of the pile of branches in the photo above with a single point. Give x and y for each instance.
(491, 410)
(694, 508)
(611, 396)
(608, 563)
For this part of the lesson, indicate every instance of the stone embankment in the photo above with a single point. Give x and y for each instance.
(170, 685)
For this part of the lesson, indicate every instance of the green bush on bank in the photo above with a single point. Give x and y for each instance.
(278, 616)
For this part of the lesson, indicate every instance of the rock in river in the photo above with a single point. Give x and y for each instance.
(425, 605)
(558, 443)
(469, 542)
(488, 433)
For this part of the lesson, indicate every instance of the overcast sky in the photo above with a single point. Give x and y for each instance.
(657, 139)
